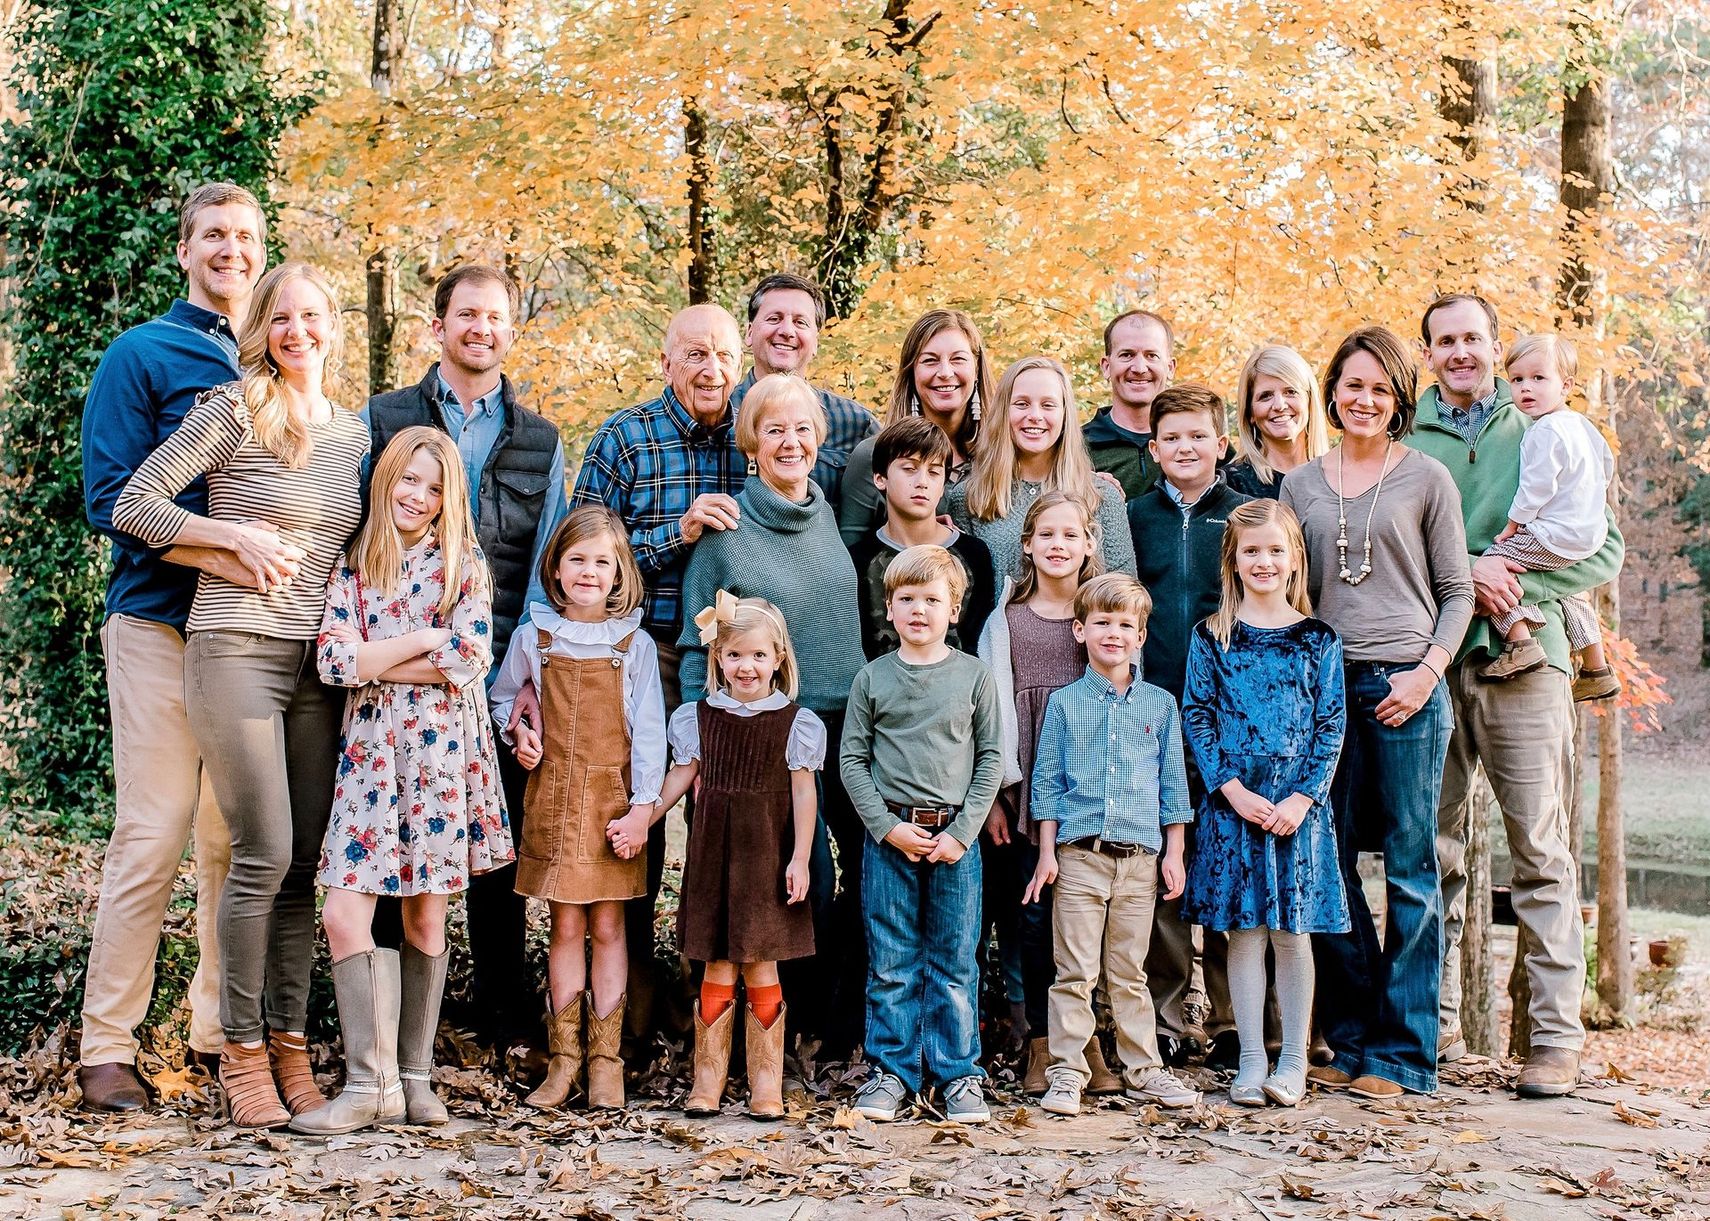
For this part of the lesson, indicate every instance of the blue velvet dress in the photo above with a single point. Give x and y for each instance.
(1270, 712)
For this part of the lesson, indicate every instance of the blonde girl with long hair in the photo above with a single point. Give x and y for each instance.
(1264, 713)
(596, 759)
(283, 467)
(753, 751)
(1030, 443)
(417, 809)
(1281, 421)
(943, 375)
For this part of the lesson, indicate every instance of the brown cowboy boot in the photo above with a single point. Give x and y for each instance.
(764, 1047)
(712, 1062)
(605, 1060)
(564, 1041)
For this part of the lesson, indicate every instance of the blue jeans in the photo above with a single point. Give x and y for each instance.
(923, 982)
(1377, 1007)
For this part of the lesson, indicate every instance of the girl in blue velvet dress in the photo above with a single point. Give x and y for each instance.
(1264, 715)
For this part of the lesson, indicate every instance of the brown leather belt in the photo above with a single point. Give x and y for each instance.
(1107, 848)
(931, 818)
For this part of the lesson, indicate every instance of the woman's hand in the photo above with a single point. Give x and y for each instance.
(1408, 691)
(1289, 813)
(628, 835)
(343, 633)
(1248, 804)
(796, 879)
(997, 825)
(1044, 873)
(261, 549)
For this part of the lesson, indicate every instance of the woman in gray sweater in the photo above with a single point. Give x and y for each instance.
(1387, 568)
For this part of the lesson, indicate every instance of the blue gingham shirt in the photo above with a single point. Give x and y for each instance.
(1468, 423)
(847, 424)
(648, 463)
(1110, 763)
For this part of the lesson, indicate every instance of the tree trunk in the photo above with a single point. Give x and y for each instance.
(1588, 180)
(1478, 997)
(382, 274)
(702, 264)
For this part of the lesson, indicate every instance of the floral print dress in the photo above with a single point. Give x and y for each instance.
(417, 808)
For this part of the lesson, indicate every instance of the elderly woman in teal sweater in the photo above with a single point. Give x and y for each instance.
(787, 550)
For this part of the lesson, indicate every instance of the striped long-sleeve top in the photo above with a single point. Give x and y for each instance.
(317, 506)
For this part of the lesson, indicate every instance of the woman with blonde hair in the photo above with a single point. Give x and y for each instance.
(1281, 424)
(283, 467)
(1030, 443)
(943, 376)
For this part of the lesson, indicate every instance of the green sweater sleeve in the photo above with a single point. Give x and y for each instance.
(855, 761)
(988, 763)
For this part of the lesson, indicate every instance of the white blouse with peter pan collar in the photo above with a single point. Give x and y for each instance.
(804, 752)
(643, 697)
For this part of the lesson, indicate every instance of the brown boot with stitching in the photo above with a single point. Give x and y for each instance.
(712, 1062)
(289, 1056)
(605, 1060)
(765, 1051)
(563, 1072)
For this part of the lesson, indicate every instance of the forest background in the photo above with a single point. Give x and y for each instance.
(1278, 170)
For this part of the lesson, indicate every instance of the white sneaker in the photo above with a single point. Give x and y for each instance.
(1164, 1088)
(1063, 1094)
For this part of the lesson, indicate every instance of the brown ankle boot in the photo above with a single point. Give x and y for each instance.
(765, 1051)
(564, 1041)
(712, 1062)
(1033, 1081)
(1102, 1081)
(251, 1096)
(605, 1061)
(289, 1056)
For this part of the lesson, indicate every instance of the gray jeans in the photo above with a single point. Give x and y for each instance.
(268, 730)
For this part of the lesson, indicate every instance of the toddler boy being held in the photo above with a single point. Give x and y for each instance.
(922, 761)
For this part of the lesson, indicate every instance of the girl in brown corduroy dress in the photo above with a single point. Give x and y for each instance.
(754, 752)
(598, 758)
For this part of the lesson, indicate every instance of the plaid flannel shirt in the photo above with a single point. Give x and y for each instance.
(649, 463)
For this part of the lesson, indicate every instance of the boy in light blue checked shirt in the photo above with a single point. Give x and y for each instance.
(1110, 801)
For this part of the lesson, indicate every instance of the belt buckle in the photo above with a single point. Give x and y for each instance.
(929, 817)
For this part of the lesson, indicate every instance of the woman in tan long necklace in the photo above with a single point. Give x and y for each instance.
(1388, 570)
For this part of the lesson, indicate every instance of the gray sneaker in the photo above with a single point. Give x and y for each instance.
(1164, 1088)
(1063, 1095)
(880, 1097)
(965, 1101)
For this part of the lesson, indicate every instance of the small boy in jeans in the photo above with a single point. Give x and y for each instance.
(922, 761)
(910, 458)
(1110, 802)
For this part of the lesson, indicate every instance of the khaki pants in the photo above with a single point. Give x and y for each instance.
(162, 797)
(1522, 731)
(1102, 919)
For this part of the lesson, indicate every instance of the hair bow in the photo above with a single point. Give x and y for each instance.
(721, 612)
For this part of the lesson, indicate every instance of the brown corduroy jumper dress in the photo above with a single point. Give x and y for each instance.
(582, 783)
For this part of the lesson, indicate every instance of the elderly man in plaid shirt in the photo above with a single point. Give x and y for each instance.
(670, 468)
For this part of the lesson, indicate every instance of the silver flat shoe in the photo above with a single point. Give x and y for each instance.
(1247, 1095)
(1282, 1091)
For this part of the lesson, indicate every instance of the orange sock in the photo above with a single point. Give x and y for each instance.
(767, 1001)
(715, 999)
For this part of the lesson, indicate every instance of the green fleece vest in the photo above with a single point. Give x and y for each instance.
(1487, 472)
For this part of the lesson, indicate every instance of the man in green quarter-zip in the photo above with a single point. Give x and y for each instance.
(1520, 730)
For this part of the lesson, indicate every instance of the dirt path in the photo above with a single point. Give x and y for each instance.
(1618, 1149)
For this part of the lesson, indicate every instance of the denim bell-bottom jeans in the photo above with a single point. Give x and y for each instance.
(1377, 1006)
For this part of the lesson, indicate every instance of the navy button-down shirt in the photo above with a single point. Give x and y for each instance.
(1110, 763)
(144, 387)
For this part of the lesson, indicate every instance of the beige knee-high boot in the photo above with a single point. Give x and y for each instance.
(367, 989)
(422, 984)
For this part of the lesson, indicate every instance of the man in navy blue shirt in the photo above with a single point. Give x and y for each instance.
(147, 381)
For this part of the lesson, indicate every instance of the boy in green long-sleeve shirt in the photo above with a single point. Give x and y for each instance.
(922, 760)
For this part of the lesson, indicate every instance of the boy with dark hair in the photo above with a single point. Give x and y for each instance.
(910, 458)
(922, 760)
(1178, 536)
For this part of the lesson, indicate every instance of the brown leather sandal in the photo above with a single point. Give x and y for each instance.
(251, 1096)
(289, 1055)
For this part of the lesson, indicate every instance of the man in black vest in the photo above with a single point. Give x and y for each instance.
(515, 462)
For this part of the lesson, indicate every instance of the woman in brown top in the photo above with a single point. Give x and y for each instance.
(283, 466)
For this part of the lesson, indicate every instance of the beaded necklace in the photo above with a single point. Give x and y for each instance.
(1342, 517)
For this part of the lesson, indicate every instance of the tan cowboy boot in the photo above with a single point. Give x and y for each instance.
(765, 1050)
(564, 1041)
(712, 1062)
(605, 1060)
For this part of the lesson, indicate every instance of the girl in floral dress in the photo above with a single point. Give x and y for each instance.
(417, 809)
